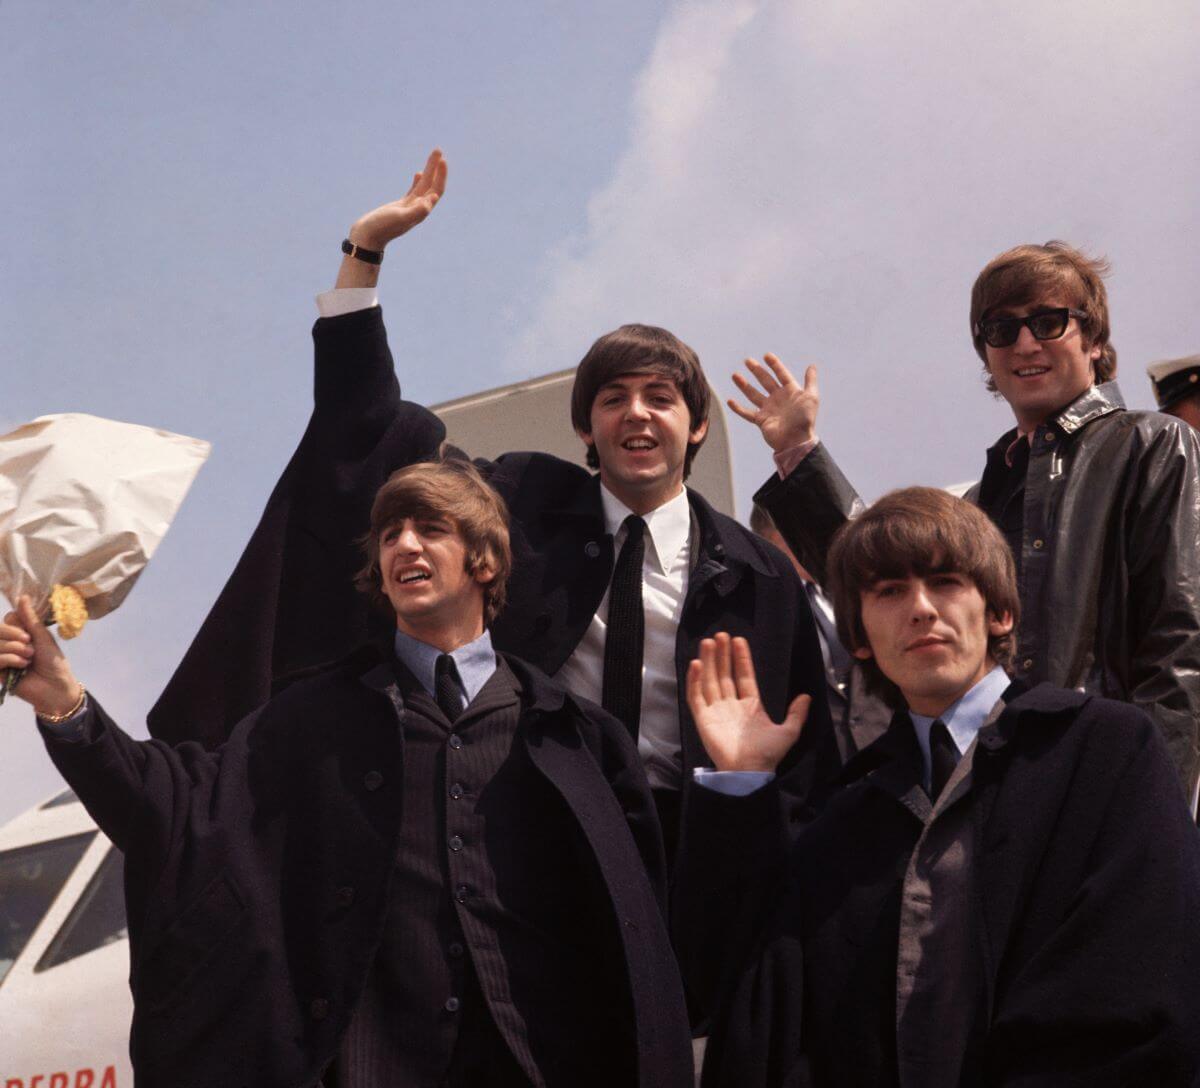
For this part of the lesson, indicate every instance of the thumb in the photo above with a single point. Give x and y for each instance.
(797, 715)
(43, 641)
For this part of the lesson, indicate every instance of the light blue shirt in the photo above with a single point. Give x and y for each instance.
(475, 662)
(963, 718)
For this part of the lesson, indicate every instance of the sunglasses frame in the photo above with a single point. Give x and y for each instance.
(1024, 322)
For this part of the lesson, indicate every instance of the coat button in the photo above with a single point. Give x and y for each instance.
(456, 843)
(318, 1008)
(1039, 544)
(462, 893)
(1027, 664)
(456, 791)
(591, 549)
(452, 1004)
(455, 741)
(372, 780)
(456, 949)
(1049, 436)
(345, 896)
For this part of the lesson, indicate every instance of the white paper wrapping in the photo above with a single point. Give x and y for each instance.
(85, 501)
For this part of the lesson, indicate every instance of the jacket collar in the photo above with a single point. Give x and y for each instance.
(379, 670)
(722, 541)
(1093, 403)
(1096, 401)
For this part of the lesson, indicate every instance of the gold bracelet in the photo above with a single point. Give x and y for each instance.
(54, 719)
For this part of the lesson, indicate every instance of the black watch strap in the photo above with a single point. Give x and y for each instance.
(369, 256)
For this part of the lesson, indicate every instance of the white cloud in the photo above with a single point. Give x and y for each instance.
(826, 180)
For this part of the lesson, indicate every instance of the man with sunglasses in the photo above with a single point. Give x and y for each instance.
(1100, 505)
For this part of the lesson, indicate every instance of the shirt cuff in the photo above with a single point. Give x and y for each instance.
(787, 460)
(346, 300)
(731, 783)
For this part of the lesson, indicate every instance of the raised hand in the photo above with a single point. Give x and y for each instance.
(48, 684)
(387, 222)
(781, 408)
(722, 692)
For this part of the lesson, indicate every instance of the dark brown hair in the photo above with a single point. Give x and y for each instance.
(640, 349)
(454, 490)
(919, 531)
(1027, 274)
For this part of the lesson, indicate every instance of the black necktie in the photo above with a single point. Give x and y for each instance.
(446, 688)
(943, 758)
(839, 659)
(626, 630)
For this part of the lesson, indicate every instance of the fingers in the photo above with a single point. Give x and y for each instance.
(765, 378)
(781, 372)
(743, 670)
(810, 382)
(725, 667)
(710, 685)
(751, 394)
(738, 410)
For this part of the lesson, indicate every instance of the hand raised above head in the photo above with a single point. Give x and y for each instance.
(722, 692)
(781, 408)
(387, 222)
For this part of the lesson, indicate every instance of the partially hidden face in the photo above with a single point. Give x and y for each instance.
(423, 568)
(929, 636)
(640, 427)
(1040, 377)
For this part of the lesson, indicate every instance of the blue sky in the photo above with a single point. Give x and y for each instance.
(821, 180)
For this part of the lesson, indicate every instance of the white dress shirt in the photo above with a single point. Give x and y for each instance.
(664, 586)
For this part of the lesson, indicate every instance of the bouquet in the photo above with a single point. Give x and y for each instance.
(84, 503)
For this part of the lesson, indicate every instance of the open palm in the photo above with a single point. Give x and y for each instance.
(722, 692)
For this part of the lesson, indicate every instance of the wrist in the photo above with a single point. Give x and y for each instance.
(61, 705)
(361, 234)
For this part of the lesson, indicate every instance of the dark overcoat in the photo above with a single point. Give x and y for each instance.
(301, 560)
(258, 876)
(1088, 891)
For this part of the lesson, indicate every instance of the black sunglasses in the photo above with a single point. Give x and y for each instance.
(1002, 332)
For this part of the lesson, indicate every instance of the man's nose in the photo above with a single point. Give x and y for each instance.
(922, 604)
(408, 540)
(1026, 342)
(638, 409)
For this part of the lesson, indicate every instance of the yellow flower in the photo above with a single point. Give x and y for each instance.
(70, 610)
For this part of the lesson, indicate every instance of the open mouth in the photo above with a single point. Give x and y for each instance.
(639, 445)
(1031, 371)
(412, 576)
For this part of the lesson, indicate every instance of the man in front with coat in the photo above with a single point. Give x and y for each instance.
(426, 865)
(629, 552)
(1004, 890)
(1100, 505)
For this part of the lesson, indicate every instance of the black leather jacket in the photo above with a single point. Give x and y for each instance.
(1110, 555)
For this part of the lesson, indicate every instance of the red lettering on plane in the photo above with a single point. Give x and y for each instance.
(84, 1078)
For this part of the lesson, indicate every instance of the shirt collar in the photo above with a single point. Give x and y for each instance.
(965, 717)
(667, 526)
(476, 661)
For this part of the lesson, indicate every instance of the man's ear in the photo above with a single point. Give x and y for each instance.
(698, 434)
(483, 574)
(585, 437)
(999, 625)
(863, 653)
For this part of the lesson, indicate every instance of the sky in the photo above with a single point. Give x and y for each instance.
(821, 180)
